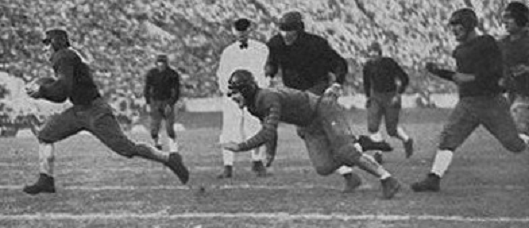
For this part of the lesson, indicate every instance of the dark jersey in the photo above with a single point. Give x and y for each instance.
(272, 106)
(162, 85)
(482, 58)
(74, 80)
(305, 63)
(381, 75)
(515, 53)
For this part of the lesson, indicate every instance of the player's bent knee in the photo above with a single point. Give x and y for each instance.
(324, 170)
(348, 154)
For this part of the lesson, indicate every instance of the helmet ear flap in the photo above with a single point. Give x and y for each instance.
(242, 81)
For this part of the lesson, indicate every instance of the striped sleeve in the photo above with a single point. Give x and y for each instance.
(268, 132)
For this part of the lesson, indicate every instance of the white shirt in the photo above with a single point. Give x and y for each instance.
(253, 58)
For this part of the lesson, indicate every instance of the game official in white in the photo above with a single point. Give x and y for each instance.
(237, 123)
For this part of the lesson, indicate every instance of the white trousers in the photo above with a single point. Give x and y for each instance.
(237, 126)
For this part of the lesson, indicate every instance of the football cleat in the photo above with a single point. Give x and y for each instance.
(368, 144)
(352, 182)
(390, 187)
(227, 173)
(432, 183)
(259, 169)
(45, 184)
(176, 165)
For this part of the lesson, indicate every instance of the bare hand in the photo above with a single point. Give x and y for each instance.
(231, 146)
(395, 100)
(32, 89)
(168, 110)
(333, 91)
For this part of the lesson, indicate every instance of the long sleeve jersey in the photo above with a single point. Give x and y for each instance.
(515, 53)
(272, 106)
(236, 57)
(162, 85)
(381, 75)
(74, 80)
(306, 62)
(482, 58)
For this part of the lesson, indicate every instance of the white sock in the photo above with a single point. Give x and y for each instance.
(385, 174)
(344, 170)
(258, 154)
(442, 161)
(46, 158)
(173, 145)
(377, 137)
(524, 137)
(402, 134)
(227, 157)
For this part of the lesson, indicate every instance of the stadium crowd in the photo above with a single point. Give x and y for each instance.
(120, 38)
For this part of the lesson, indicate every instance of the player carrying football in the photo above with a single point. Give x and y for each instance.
(89, 113)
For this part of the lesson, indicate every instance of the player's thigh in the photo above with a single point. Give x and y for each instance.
(498, 121)
(461, 123)
(156, 116)
(320, 151)
(375, 112)
(392, 119)
(59, 126)
(106, 128)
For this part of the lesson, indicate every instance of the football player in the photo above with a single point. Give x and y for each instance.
(479, 69)
(89, 112)
(328, 138)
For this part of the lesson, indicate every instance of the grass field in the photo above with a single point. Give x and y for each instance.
(486, 186)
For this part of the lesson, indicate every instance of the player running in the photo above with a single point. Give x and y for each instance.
(89, 113)
(479, 69)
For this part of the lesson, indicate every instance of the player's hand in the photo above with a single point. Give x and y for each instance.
(168, 110)
(148, 108)
(32, 89)
(395, 101)
(432, 67)
(333, 91)
(231, 146)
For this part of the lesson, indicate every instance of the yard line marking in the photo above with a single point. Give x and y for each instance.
(272, 216)
(365, 186)
(151, 169)
(189, 187)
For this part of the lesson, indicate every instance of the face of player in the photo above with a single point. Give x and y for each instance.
(460, 33)
(161, 66)
(373, 54)
(289, 37)
(238, 98)
(510, 24)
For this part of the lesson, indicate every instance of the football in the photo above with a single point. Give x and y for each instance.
(34, 85)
